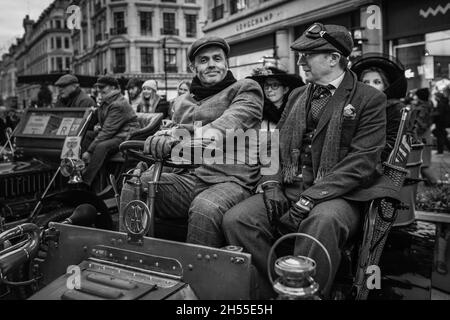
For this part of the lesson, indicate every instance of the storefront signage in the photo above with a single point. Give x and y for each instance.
(259, 21)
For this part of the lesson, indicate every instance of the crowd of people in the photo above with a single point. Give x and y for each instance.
(334, 133)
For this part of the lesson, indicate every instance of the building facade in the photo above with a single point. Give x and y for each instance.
(136, 38)
(8, 78)
(44, 48)
(261, 31)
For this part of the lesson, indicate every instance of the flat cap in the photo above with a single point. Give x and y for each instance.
(208, 42)
(311, 40)
(107, 80)
(65, 80)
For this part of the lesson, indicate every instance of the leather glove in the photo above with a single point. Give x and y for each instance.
(160, 144)
(275, 201)
(290, 221)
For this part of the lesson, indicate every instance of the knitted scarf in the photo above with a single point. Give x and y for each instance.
(201, 92)
(293, 130)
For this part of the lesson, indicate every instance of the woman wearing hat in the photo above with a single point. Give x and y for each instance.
(277, 85)
(386, 74)
(151, 101)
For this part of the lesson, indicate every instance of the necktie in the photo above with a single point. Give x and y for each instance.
(320, 98)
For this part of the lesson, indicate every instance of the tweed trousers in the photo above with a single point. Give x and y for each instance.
(202, 204)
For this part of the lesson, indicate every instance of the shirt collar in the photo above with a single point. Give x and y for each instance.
(337, 82)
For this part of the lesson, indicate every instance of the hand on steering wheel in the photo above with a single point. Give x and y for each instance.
(160, 144)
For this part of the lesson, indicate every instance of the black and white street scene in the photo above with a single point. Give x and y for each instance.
(254, 150)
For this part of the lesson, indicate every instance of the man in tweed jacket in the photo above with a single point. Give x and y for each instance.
(330, 146)
(220, 103)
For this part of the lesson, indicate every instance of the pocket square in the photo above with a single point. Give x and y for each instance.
(350, 112)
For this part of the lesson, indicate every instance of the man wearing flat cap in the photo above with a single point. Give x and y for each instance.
(332, 132)
(217, 103)
(114, 120)
(70, 94)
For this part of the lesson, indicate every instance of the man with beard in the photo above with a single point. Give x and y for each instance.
(70, 94)
(332, 133)
(218, 102)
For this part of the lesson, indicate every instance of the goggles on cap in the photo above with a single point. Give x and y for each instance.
(317, 30)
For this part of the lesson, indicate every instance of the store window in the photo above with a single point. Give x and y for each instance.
(171, 60)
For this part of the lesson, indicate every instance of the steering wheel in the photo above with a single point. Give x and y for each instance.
(136, 149)
(19, 253)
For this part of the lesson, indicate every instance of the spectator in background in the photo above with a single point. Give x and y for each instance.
(134, 88)
(441, 118)
(183, 87)
(277, 85)
(45, 97)
(70, 94)
(150, 100)
(420, 126)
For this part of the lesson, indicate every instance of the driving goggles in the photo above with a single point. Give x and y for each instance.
(317, 30)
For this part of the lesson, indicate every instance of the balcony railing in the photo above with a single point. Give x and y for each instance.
(117, 31)
(174, 32)
(217, 12)
(148, 69)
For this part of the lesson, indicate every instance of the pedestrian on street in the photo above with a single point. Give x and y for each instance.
(184, 87)
(70, 94)
(441, 118)
(332, 132)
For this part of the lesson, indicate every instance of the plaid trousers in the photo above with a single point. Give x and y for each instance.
(203, 204)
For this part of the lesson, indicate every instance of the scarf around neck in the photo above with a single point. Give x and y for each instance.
(201, 92)
(291, 136)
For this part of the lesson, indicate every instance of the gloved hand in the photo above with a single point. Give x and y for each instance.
(290, 221)
(275, 201)
(160, 144)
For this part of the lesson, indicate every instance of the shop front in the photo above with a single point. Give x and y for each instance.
(418, 34)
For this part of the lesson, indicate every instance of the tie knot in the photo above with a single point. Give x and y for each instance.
(320, 91)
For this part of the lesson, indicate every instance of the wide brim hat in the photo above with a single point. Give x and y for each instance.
(288, 79)
(392, 67)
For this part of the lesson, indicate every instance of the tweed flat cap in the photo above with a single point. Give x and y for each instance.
(65, 80)
(107, 81)
(313, 40)
(207, 42)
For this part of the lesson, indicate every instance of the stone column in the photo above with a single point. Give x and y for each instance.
(282, 48)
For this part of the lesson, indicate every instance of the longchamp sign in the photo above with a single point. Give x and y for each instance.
(259, 21)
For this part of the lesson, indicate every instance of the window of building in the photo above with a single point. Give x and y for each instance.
(168, 23)
(119, 60)
(58, 24)
(237, 5)
(169, 0)
(68, 63)
(147, 60)
(58, 43)
(171, 60)
(217, 10)
(119, 22)
(59, 64)
(191, 25)
(189, 1)
(52, 43)
(146, 22)
(66, 43)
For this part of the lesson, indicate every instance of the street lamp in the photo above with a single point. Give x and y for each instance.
(165, 64)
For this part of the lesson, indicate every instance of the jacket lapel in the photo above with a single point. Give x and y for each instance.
(339, 96)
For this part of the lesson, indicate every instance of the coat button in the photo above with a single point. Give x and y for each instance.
(324, 193)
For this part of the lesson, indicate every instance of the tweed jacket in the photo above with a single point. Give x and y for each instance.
(78, 99)
(238, 106)
(363, 138)
(116, 118)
